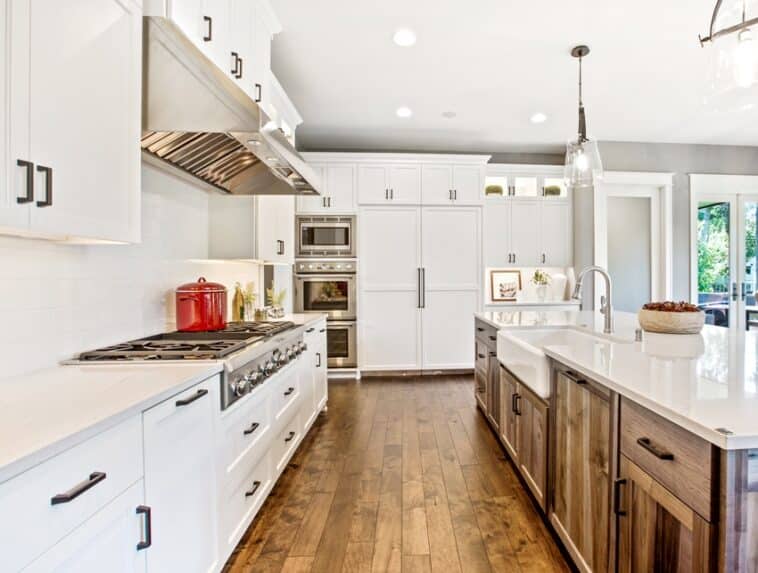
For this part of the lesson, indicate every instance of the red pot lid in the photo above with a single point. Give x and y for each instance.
(201, 285)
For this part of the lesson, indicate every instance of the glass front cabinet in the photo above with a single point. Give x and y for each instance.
(538, 182)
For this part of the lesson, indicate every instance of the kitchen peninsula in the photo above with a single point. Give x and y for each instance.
(629, 444)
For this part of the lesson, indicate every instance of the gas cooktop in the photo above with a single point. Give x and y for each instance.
(189, 345)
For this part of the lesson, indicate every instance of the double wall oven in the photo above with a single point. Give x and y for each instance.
(328, 286)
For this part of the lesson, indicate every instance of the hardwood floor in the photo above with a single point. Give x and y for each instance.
(398, 475)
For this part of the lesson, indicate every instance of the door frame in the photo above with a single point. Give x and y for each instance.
(661, 209)
(734, 189)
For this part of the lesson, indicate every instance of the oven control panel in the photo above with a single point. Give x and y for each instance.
(305, 267)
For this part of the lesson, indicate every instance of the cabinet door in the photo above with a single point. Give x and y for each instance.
(447, 320)
(241, 25)
(218, 47)
(497, 233)
(373, 184)
(436, 184)
(276, 228)
(480, 389)
(493, 382)
(525, 233)
(341, 188)
(261, 65)
(321, 382)
(85, 117)
(405, 184)
(657, 531)
(180, 478)
(188, 16)
(390, 330)
(508, 422)
(532, 435)
(580, 510)
(467, 184)
(105, 542)
(556, 234)
(390, 249)
(315, 204)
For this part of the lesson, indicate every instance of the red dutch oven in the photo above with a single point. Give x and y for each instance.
(200, 306)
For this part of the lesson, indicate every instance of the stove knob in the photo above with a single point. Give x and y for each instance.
(303, 346)
(241, 387)
(269, 367)
(291, 353)
(283, 358)
(254, 378)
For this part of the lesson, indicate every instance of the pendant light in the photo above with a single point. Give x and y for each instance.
(583, 164)
(735, 57)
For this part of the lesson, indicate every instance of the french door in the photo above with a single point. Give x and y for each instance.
(725, 259)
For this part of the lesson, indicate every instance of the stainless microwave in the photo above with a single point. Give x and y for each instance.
(325, 237)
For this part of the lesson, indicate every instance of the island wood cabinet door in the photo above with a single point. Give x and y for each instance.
(494, 411)
(657, 531)
(180, 479)
(580, 510)
(531, 413)
(508, 416)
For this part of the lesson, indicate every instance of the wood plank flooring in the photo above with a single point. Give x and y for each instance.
(400, 475)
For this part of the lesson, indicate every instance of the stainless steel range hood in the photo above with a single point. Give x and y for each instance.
(199, 124)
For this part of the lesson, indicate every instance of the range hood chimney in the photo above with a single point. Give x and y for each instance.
(199, 124)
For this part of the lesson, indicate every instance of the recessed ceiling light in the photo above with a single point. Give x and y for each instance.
(538, 117)
(449, 114)
(404, 37)
(404, 112)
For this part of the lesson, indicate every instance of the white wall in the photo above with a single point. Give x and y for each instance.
(57, 300)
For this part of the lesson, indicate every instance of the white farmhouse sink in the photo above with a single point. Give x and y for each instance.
(520, 351)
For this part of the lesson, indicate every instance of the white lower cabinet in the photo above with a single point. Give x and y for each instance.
(180, 478)
(108, 541)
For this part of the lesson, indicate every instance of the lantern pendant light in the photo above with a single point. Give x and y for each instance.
(583, 164)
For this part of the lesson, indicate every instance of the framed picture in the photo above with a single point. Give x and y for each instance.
(505, 285)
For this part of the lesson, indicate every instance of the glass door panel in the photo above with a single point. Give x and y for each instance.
(716, 283)
(554, 188)
(495, 186)
(525, 187)
(748, 258)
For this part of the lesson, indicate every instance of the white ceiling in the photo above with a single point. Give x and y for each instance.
(494, 63)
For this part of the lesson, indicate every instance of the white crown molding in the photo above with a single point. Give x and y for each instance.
(423, 158)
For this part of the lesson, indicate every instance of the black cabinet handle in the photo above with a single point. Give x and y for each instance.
(657, 452)
(93, 479)
(29, 166)
(289, 437)
(209, 36)
(48, 171)
(235, 69)
(279, 247)
(479, 329)
(185, 401)
(492, 354)
(289, 391)
(574, 378)
(481, 356)
(250, 492)
(517, 405)
(322, 330)
(617, 496)
(513, 403)
(239, 74)
(258, 93)
(254, 426)
(308, 331)
(543, 258)
(455, 194)
(318, 364)
(148, 541)
(493, 338)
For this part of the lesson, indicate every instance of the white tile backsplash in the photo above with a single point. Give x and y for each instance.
(57, 299)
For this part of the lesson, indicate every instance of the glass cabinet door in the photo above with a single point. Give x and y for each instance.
(526, 186)
(495, 186)
(554, 188)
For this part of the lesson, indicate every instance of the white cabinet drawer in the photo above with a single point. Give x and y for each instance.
(245, 431)
(241, 501)
(85, 478)
(286, 442)
(285, 394)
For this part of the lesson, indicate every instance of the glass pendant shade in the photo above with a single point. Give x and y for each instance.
(583, 164)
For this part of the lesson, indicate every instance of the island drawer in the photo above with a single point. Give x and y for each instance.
(679, 460)
(486, 333)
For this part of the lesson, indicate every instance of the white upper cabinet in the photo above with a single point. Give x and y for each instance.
(338, 190)
(75, 103)
(467, 184)
(218, 35)
(525, 233)
(556, 234)
(266, 25)
(437, 184)
(496, 224)
(389, 183)
(241, 43)
(276, 228)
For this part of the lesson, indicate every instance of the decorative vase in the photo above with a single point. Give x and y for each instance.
(541, 292)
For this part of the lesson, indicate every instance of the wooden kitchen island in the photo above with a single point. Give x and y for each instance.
(640, 459)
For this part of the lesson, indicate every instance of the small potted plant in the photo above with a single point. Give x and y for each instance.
(275, 302)
(540, 279)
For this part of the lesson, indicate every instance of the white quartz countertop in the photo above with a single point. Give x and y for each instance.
(45, 412)
(536, 303)
(706, 383)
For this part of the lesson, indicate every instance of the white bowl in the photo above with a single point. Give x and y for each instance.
(671, 322)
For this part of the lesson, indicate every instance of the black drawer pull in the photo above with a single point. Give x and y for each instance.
(517, 404)
(93, 479)
(258, 93)
(250, 492)
(235, 69)
(209, 36)
(318, 364)
(48, 171)
(289, 391)
(322, 330)
(479, 329)
(658, 453)
(239, 74)
(617, 496)
(289, 437)
(146, 511)
(493, 354)
(493, 338)
(481, 356)
(309, 330)
(29, 166)
(254, 426)
(574, 378)
(185, 401)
